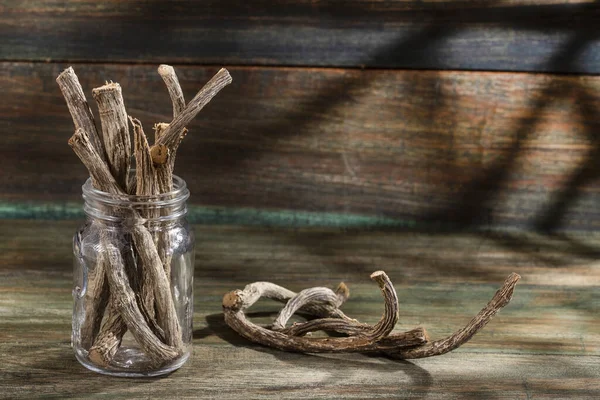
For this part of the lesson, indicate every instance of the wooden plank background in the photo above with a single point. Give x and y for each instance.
(544, 344)
(517, 35)
(456, 148)
(296, 133)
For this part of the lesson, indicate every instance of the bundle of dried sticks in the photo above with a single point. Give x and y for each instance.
(323, 304)
(118, 299)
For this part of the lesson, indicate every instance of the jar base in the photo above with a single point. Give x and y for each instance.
(131, 363)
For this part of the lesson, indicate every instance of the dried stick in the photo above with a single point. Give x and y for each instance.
(412, 338)
(164, 171)
(460, 337)
(115, 132)
(159, 130)
(96, 299)
(411, 344)
(109, 339)
(322, 295)
(99, 171)
(154, 286)
(324, 308)
(79, 107)
(236, 302)
(168, 75)
(126, 303)
(103, 179)
(172, 82)
(113, 329)
(164, 182)
(115, 135)
(165, 308)
(146, 183)
(97, 294)
(318, 295)
(173, 132)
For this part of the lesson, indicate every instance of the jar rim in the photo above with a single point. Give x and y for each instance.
(179, 194)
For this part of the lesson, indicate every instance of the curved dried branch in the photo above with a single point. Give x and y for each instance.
(125, 302)
(253, 291)
(317, 295)
(412, 338)
(236, 302)
(171, 135)
(390, 314)
(169, 76)
(460, 337)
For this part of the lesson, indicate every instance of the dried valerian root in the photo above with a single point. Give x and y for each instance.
(323, 304)
(131, 293)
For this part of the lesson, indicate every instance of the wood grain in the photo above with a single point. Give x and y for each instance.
(544, 344)
(460, 149)
(538, 35)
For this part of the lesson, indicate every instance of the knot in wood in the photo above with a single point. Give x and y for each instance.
(232, 300)
(159, 154)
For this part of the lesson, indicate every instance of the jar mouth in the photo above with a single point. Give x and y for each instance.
(178, 195)
(134, 209)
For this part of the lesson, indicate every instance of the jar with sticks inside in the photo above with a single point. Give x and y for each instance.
(134, 256)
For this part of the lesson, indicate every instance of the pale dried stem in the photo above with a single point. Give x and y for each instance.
(146, 183)
(412, 338)
(100, 173)
(96, 299)
(164, 179)
(101, 176)
(253, 291)
(154, 274)
(317, 295)
(115, 132)
(117, 144)
(235, 303)
(108, 341)
(169, 76)
(412, 344)
(164, 172)
(125, 302)
(460, 337)
(97, 294)
(173, 132)
(114, 327)
(79, 107)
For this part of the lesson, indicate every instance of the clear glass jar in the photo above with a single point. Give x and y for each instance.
(133, 283)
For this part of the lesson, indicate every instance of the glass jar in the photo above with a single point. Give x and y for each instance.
(133, 283)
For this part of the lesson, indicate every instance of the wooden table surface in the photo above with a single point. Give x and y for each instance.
(544, 344)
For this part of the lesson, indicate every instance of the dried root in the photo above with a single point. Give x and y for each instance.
(122, 297)
(323, 304)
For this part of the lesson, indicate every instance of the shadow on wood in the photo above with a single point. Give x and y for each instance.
(336, 365)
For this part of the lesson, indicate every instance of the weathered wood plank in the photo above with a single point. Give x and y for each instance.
(544, 344)
(451, 148)
(45, 370)
(539, 35)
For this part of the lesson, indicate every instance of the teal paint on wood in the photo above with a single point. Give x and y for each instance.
(221, 216)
